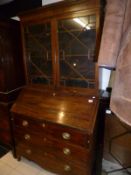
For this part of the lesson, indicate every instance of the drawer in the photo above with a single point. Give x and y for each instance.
(51, 162)
(61, 149)
(68, 134)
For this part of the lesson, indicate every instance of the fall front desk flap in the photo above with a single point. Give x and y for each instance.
(58, 107)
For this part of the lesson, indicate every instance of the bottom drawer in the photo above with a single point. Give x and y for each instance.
(50, 162)
(64, 150)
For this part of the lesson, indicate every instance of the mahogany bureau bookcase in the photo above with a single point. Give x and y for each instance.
(54, 119)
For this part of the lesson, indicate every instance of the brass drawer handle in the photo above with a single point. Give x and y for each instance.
(27, 137)
(28, 151)
(43, 125)
(25, 123)
(45, 153)
(67, 168)
(45, 139)
(66, 136)
(66, 151)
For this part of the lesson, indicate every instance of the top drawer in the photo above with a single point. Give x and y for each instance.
(68, 134)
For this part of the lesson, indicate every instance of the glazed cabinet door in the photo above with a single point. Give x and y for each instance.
(62, 52)
(60, 45)
(77, 44)
(38, 53)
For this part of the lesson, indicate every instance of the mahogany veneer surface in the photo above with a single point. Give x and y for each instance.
(56, 129)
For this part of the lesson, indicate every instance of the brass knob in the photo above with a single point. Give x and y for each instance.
(28, 151)
(66, 136)
(54, 94)
(27, 137)
(45, 139)
(45, 153)
(25, 123)
(43, 125)
(66, 151)
(67, 168)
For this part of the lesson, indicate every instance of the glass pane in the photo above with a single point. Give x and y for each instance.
(77, 43)
(38, 48)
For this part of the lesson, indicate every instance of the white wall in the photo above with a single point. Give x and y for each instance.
(45, 2)
(104, 78)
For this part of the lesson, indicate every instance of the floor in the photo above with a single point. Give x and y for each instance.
(110, 168)
(3, 150)
(10, 166)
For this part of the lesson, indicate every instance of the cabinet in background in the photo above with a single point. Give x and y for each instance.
(5, 132)
(117, 143)
(11, 74)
